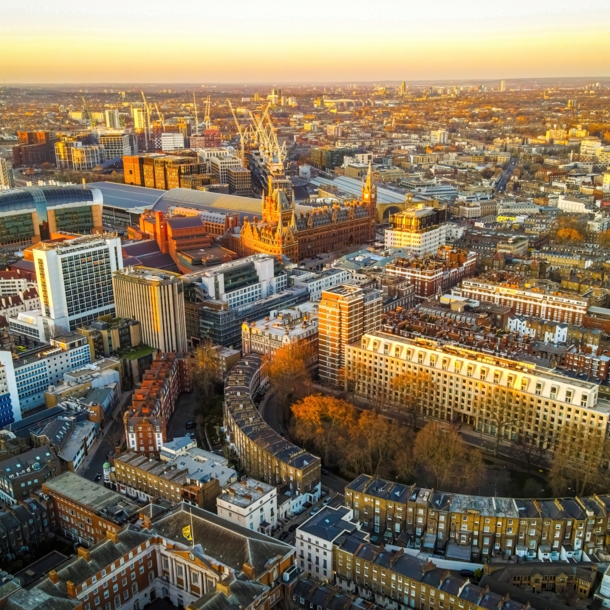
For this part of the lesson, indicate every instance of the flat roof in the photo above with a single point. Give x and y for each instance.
(89, 494)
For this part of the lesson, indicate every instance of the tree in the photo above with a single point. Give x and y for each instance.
(288, 374)
(530, 450)
(498, 409)
(568, 235)
(580, 460)
(323, 422)
(440, 451)
(412, 386)
(375, 442)
(205, 369)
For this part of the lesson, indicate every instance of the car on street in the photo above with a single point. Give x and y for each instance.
(190, 425)
(324, 471)
(98, 476)
(314, 510)
(327, 500)
(284, 535)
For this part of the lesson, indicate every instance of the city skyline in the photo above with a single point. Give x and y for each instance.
(70, 42)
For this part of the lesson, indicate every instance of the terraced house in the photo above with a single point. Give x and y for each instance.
(474, 528)
(463, 385)
(262, 452)
(392, 578)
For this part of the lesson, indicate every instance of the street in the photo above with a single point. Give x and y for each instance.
(98, 454)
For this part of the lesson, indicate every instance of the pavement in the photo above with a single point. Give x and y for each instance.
(103, 445)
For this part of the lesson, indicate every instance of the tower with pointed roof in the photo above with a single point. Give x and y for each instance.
(369, 190)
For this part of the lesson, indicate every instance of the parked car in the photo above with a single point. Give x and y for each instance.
(190, 425)
(466, 573)
(293, 527)
(98, 476)
(284, 535)
(327, 500)
(324, 471)
(314, 510)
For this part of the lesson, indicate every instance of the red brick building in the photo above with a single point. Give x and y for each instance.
(434, 274)
(154, 402)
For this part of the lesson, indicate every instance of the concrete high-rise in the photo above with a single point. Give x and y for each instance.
(112, 119)
(75, 280)
(502, 86)
(346, 312)
(156, 299)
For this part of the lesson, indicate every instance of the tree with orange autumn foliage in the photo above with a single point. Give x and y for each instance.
(323, 422)
(288, 374)
(568, 235)
(363, 442)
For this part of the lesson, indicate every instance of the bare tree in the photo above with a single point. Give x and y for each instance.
(412, 387)
(499, 410)
(440, 451)
(205, 369)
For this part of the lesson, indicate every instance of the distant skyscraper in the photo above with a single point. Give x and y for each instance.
(112, 119)
(7, 180)
(139, 118)
(155, 298)
(502, 86)
(75, 280)
(403, 88)
(346, 312)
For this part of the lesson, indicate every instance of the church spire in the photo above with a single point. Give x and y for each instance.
(369, 190)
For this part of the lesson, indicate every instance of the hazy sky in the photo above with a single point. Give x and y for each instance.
(300, 40)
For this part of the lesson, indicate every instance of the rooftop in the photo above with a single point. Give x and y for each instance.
(245, 493)
(99, 500)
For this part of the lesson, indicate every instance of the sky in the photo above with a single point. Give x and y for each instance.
(249, 41)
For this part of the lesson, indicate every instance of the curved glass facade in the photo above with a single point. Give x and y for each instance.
(16, 207)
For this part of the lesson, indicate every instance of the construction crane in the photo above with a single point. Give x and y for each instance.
(196, 120)
(147, 108)
(242, 134)
(206, 119)
(160, 115)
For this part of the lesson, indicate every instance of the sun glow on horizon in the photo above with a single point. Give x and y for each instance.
(129, 41)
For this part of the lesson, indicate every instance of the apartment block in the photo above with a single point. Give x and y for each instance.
(287, 328)
(462, 381)
(154, 401)
(155, 298)
(346, 312)
(262, 452)
(536, 300)
(441, 272)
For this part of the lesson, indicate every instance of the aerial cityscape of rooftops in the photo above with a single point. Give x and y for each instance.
(334, 346)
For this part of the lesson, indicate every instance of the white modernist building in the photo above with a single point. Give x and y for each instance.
(242, 281)
(316, 283)
(249, 503)
(30, 375)
(75, 280)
